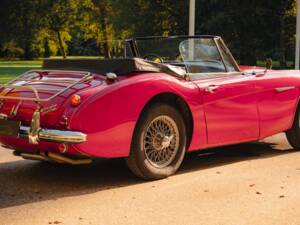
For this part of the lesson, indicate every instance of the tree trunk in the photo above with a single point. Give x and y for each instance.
(61, 46)
(27, 51)
(103, 24)
(47, 53)
(27, 54)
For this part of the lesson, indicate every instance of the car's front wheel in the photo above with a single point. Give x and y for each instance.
(159, 143)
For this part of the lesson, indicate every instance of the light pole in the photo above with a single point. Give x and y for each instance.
(192, 17)
(192, 28)
(297, 56)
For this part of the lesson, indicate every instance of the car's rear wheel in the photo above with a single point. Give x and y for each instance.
(159, 143)
(293, 134)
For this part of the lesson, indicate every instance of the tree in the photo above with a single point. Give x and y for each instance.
(19, 17)
(148, 17)
(61, 16)
(254, 29)
(103, 13)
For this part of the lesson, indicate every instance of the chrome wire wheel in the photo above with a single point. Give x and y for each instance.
(160, 141)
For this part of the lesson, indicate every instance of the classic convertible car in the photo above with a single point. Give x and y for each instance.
(167, 96)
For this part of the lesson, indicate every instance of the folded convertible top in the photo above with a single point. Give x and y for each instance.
(118, 66)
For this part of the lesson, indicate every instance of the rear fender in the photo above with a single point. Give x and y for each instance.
(109, 117)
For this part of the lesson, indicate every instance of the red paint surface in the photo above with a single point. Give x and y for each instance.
(243, 108)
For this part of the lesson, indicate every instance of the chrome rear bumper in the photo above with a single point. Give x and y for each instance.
(52, 135)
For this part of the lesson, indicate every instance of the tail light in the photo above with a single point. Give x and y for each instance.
(75, 100)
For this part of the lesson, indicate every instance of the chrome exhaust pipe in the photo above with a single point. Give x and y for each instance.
(54, 157)
(34, 157)
(61, 158)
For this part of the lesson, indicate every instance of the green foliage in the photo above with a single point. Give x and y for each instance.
(145, 17)
(61, 16)
(254, 29)
(10, 50)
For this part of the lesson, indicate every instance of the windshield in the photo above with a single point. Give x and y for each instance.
(201, 56)
(160, 49)
(196, 54)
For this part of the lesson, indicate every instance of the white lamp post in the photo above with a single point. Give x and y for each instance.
(192, 28)
(297, 57)
(192, 17)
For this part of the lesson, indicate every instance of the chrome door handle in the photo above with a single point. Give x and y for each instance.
(211, 88)
(282, 89)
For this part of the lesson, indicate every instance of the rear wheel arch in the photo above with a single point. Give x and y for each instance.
(178, 103)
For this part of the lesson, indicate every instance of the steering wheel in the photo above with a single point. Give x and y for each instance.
(152, 57)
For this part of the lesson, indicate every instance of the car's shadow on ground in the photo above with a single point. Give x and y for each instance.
(24, 181)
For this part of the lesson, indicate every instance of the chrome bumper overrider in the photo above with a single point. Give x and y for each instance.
(55, 135)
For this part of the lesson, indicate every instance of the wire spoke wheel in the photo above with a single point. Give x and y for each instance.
(160, 141)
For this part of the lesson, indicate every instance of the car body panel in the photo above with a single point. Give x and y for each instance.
(230, 110)
(277, 101)
(116, 122)
(244, 108)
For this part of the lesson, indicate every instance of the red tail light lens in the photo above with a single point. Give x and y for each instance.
(75, 100)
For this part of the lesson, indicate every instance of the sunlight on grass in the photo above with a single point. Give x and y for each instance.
(11, 69)
(14, 68)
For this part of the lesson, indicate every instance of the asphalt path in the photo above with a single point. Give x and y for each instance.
(253, 183)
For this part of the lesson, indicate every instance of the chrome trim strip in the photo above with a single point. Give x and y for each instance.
(230, 55)
(58, 136)
(220, 53)
(282, 89)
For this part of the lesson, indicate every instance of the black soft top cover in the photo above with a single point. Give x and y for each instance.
(118, 66)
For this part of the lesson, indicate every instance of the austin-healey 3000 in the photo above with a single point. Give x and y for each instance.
(165, 97)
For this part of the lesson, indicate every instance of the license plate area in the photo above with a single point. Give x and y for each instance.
(9, 127)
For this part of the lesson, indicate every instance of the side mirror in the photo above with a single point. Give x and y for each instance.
(269, 64)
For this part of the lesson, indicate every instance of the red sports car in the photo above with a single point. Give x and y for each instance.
(165, 97)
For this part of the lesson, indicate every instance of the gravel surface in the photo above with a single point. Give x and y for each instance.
(255, 183)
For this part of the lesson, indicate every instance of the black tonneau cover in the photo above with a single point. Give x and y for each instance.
(118, 66)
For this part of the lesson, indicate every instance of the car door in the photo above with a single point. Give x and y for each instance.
(277, 101)
(230, 107)
(229, 98)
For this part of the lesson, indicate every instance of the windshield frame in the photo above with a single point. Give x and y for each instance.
(217, 40)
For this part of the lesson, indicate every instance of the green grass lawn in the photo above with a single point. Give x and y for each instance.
(11, 69)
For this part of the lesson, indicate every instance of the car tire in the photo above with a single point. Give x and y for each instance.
(159, 143)
(293, 134)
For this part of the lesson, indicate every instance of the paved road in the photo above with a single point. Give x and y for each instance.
(256, 183)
